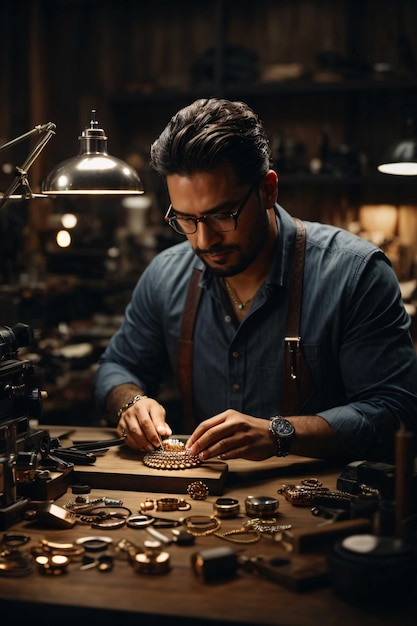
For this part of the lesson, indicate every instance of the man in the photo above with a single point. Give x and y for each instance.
(354, 332)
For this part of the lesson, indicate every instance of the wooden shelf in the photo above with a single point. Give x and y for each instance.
(289, 88)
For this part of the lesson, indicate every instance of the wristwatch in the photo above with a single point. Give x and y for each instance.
(282, 432)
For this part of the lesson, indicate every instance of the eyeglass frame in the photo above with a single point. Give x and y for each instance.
(233, 214)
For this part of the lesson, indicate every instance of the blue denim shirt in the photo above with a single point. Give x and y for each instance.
(354, 329)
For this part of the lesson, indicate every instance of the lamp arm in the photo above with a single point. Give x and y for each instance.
(48, 131)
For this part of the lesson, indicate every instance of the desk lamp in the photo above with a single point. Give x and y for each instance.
(92, 172)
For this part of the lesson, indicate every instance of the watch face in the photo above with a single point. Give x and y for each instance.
(283, 428)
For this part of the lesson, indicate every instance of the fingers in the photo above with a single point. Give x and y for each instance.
(209, 436)
(143, 425)
(231, 435)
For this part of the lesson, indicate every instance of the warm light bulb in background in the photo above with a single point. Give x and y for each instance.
(69, 220)
(63, 239)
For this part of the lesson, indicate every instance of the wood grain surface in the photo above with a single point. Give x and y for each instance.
(181, 597)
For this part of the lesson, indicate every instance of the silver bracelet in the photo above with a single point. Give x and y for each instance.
(129, 404)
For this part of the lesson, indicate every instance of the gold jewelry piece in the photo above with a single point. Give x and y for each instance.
(197, 490)
(171, 460)
(53, 564)
(306, 493)
(251, 534)
(267, 525)
(147, 505)
(127, 406)
(153, 560)
(234, 297)
(201, 525)
(172, 504)
(73, 551)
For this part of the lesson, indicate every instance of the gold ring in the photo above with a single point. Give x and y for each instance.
(167, 504)
(172, 504)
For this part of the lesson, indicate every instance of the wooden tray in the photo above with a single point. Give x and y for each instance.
(123, 468)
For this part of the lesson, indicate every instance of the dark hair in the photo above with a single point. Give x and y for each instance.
(209, 133)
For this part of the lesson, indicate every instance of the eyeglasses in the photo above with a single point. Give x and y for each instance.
(219, 222)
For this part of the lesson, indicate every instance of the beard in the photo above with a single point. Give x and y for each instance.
(255, 244)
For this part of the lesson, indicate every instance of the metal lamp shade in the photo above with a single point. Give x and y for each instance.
(93, 171)
(401, 158)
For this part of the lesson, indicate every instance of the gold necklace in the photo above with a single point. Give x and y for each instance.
(240, 535)
(233, 295)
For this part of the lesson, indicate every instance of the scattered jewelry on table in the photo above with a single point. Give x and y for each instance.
(257, 506)
(94, 543)
(147, 505)
(267, 525)
(142, 521)
(172, 504)
(201, 525)
(72, 550)
(84, 504)
(226, 507)
(139, 521)
(164, 504)
(308, 491)
(197, 490)
(153, 560)
(52, 565)
(244, 534)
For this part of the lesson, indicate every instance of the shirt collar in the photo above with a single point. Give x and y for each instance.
(282, 257)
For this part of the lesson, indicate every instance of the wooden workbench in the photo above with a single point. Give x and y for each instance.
(179, 597)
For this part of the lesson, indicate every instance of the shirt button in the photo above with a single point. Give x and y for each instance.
(236, 387)
(235, 354)
(227, 318)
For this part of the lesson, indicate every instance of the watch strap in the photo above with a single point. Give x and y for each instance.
(283, 442)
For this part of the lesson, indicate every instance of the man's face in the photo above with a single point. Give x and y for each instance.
(217, 192)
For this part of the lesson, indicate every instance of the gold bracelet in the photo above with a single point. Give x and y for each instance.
(129, 404)
(243, 534)
(201, 525)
